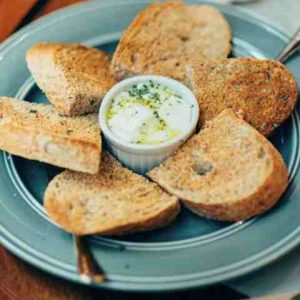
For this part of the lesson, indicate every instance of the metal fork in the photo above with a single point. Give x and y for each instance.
(291, 48)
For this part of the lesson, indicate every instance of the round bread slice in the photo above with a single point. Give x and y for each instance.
(75, 78)
(227, 172)
(166, 36)
(115, 201)
(265, 90)
(36, 131)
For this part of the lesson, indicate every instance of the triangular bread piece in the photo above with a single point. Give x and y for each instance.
(37, 131)
(75, 78)
(265, 90)
(227, 172)
(164, 37)
(115, 201)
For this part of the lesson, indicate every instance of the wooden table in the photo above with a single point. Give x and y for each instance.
(18, 280)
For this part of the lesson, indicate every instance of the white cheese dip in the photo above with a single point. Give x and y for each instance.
(148, 113)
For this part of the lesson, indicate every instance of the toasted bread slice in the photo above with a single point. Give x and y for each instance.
(227, 172)
(74, 78)
(115, 201)
(37, 131)
(164, 37)
(265, 90)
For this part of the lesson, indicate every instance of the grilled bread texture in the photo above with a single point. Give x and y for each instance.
(74, 78)
(265, 90)
(38, 132)
(115, 201)
(227, 172)
(164, 37)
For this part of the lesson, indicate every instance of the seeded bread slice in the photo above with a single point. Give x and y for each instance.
(164, 37)
(115, 201)
(265, 90)
(38, 132)
(74, 77)
(227, 172)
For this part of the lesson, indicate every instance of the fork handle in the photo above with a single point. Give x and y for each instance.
(290, 48)
(88, 268)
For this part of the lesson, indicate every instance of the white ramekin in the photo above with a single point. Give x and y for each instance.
(142, 158)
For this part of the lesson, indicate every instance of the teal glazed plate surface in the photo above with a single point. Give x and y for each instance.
(193, 251)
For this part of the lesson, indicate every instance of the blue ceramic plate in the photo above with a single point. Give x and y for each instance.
(193, 251)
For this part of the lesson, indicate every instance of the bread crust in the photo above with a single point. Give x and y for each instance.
(113, 202)
(166, 36)
(225, 199)
(74, 77)
(265, 90)
(259, 202)
(36, 131)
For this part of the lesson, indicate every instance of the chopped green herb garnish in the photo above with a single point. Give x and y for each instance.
(145, 106)
(156, 114)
